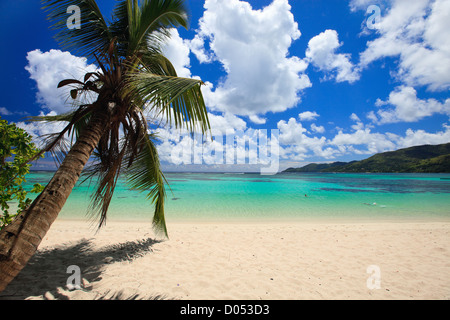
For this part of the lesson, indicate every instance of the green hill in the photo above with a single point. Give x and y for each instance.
(317, 167)
(420, 159)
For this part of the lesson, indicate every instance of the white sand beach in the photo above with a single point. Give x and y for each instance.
(289, 261)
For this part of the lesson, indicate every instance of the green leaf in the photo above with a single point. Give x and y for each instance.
(93, 36)
(179, 99)
(145, 175)
(16, 142)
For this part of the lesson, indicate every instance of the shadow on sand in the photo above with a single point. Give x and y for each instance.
(46, 273)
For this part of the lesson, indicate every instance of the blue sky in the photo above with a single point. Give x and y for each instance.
(335, 89)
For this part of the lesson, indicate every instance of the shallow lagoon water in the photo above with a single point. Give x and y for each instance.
(222, 197)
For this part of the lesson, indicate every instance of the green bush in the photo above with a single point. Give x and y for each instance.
(16, 149)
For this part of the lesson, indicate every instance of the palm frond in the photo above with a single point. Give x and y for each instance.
(56, 142)
(110, 153)
(52, 118)
(93, 36)
(149, 23)
(156, 63)
(178, 99)
(60, 146)
(145, 175)
(119, 27)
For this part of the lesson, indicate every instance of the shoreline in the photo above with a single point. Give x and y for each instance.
(272, 220)
(240, 261)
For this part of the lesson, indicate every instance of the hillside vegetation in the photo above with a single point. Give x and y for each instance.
(420, 159)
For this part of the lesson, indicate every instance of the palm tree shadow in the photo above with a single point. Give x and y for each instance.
(47, 269)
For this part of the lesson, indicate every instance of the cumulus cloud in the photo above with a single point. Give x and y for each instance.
(291, 132)
(232, 146)
(363, 140)
(321, 52)
(253, 48)
(48, 69)
(420, 137)
(257, 120)
(174, 140)
(227, 121)
(177, 51)
(373, 142)
(403, 105)
(317, 129)
(298, 144)
(308, 116)
(416, 33)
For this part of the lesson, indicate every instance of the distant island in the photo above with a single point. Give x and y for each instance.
(419, 159)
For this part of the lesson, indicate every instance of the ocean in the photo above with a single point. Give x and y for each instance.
(283, 197)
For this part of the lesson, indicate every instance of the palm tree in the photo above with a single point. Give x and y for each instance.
(133, 79)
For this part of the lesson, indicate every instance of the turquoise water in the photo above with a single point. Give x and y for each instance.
(217, 196)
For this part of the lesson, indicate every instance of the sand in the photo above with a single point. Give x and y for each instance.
(241, 261)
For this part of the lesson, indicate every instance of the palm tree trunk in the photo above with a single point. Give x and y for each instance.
(20, 239)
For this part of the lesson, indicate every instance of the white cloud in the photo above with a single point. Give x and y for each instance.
(48, 69)
(308, 116)
(359, 124)
(177, 51)
(253, 48)
(362, 140)
(317, 129)
(291, 132)
(197, 46)
(297, 145)
(174, 140)
(417, 33)
(374, 142)
(296, 142)
(421, 137)
(364, 4)
(437, 26)
(403, 105)
(321, 52)
(227, 121)
(257, 120)
(355, 117)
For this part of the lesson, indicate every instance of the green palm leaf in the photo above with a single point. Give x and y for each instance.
(179, 99)
(93, 36)
(156, 17)
(139, 26)
(56, 143)
(156, 63)
(145, 175)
